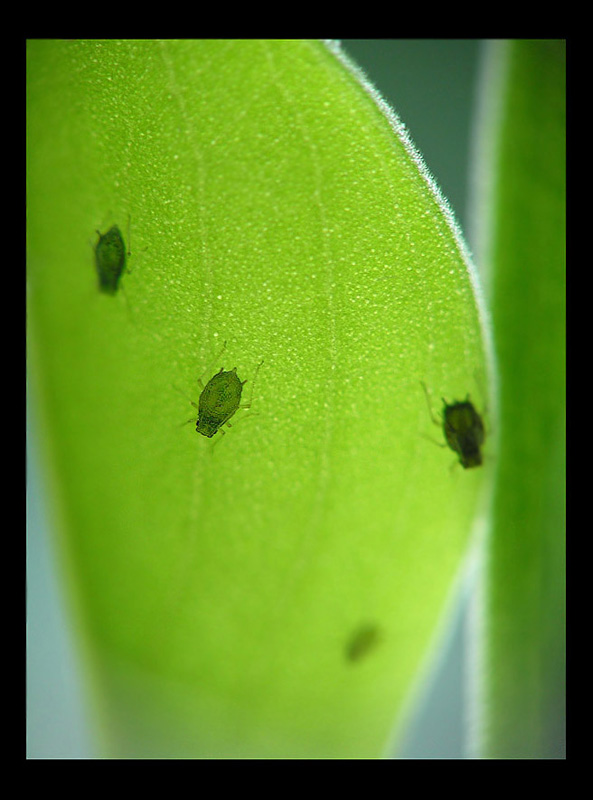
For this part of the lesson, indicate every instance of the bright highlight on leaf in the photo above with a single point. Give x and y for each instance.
(280, 208)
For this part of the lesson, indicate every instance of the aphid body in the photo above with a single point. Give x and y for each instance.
(362, 642)
(110, 259)
(463, 428)
(464, 432)
(218, 402)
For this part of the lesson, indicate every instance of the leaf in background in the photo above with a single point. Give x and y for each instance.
(522, 238)
(279, 594)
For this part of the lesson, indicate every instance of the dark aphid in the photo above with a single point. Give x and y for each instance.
(463, 428)
(218, 402)
(110, 259)
(464, 431)
(362, 641)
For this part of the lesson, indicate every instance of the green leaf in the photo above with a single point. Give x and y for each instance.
(522, 236)
(276, 593)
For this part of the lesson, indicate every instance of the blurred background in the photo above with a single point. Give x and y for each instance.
(432, 85)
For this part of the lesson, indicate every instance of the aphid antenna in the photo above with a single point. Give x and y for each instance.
(183, 394)
(104, 223)
(129, 250)
(209, 367)
(437, 422)
(253, 380)
(454, 464)
(434, 441)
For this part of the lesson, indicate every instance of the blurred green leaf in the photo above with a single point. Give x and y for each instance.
(522, 236)
(277, 595)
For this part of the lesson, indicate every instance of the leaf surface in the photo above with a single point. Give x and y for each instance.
(275, 593)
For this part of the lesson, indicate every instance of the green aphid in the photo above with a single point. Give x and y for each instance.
(463, 428)
(362, 642)
(219, 400)
(110, 259)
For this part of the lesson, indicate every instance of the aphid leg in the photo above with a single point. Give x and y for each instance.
(217, 440)
(437, 422)
(434, 441)
(177, 389)
(248, 405)
(127, 302)
(209, 367)
(485, 405)
(195, 405)
(241, 418)
(432, 416)
(482, 389)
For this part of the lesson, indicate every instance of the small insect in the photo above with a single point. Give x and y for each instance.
(362, 642)
(463, 428)
(110, 259)
(219, 400)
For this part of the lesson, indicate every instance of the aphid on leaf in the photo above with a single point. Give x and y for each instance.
(219, 400)
(363, 640)
(110, 259)
(463, 428)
